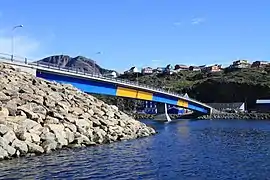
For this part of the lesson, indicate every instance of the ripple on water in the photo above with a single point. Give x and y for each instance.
(181, 150)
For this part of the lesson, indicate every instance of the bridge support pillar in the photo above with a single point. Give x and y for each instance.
(162, 114)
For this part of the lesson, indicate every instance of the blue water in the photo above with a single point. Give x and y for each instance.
(203, 149)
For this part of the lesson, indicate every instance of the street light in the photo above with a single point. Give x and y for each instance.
(95, 62)
(12, 40)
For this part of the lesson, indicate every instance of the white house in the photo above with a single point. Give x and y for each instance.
(110, 74)
(147, 70)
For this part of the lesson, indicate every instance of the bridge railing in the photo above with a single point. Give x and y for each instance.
(27, 61)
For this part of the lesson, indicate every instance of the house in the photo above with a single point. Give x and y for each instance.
(147, 70)
(239, 64)
(112, 74)
(259, 64)
(214, 68)
(132, 70)
(181, 67)
(195, 68)
(159, 70)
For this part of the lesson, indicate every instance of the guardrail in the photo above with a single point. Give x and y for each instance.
(26, 61)
(82, 72)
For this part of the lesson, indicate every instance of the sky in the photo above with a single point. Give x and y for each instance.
(138, 32)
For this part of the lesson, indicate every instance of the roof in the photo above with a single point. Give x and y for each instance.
(262, 101)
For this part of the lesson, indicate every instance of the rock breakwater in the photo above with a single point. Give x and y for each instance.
(38, 116)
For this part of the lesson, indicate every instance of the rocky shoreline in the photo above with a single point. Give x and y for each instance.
(38, 116)
(243, 116)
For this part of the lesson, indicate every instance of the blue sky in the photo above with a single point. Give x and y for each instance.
(139, 32)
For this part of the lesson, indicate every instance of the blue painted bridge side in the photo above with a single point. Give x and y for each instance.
(80, 83)
(108, 88)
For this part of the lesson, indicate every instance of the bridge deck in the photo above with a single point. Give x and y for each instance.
(80, 74)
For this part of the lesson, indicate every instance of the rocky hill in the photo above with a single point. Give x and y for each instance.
(81, 63)
(38, 116)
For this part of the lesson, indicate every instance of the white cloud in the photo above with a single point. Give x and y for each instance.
(197, 21)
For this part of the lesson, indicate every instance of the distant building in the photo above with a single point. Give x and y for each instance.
(262, 105)
(259, 64)
(132, 70)
(214, 68)
(110, 74)
(237, 106)
(195, 68)
(239, 64)
(147, 70)
(159, 70)
(181, 67)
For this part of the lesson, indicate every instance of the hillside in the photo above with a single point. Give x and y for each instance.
(81, 63)
(235, 86)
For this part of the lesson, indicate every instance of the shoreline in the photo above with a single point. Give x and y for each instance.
(240, 116)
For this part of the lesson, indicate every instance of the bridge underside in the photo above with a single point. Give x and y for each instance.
(107, 88)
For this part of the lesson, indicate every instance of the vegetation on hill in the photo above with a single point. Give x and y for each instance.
(220, 87)
(242, 85)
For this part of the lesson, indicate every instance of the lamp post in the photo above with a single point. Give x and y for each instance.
(95, 62)
(12, 40)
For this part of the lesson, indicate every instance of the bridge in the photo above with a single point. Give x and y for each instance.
(97, 84)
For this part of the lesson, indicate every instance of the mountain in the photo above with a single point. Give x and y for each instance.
(81, 63)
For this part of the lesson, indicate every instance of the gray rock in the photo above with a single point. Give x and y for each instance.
(3, 112)
(35, 138)
(12, 108)
(49, 102)
(70, 118)
(10, 137)
(95, 121)
(29, 113)
(28, 124)
(58, 130)
(76, 111)
(56, 115)
(82, 139)
(26, 89)
(71, 126)
(3, 143)
(33, 148)
(3, 129)
(47, 136)
(11, 150)
(23, 136)
(4, 97)
(51, 120)
(49, 145)
(20, 145)
(83, 123)
(70, 135)
(3, 154)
